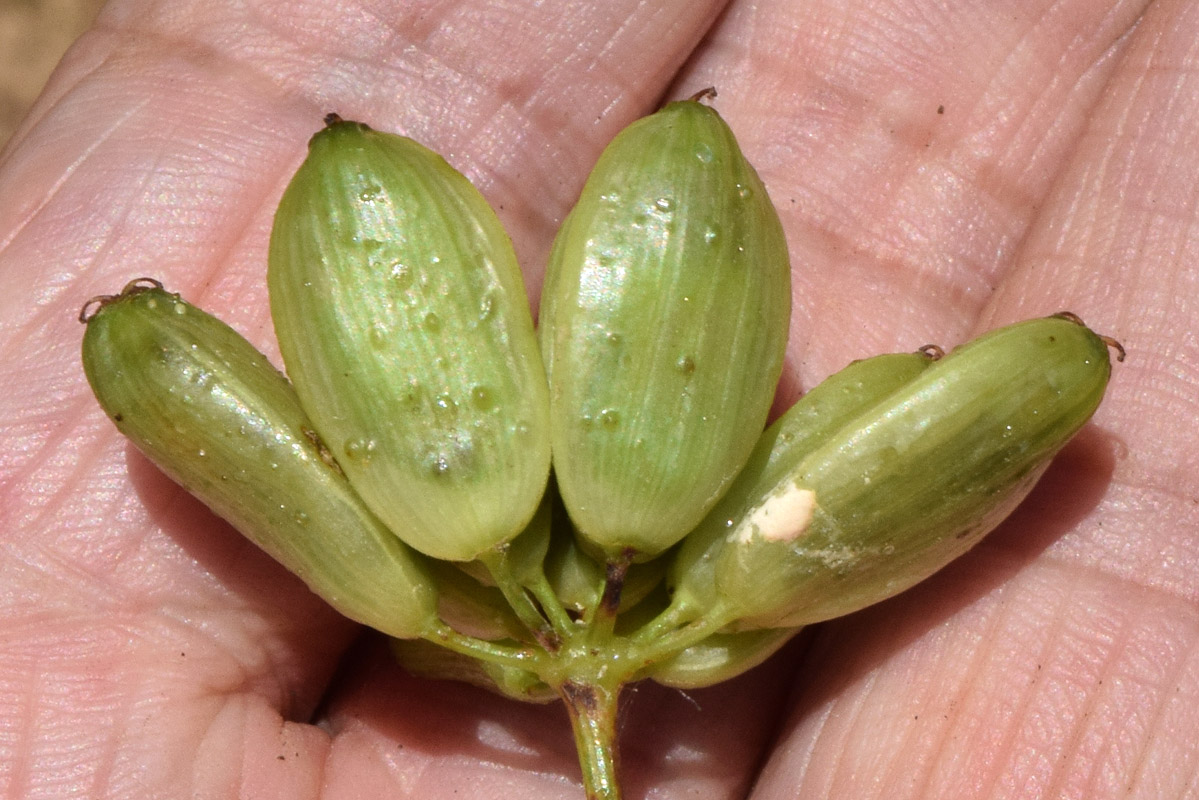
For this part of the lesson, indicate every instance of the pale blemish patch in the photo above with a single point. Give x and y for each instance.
(783, 517)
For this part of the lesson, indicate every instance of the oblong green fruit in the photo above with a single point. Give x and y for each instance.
(473, 608)
(718, 658)
(404, 325)
(916, 479)
(210, 411)
(578, 580)
(813, 418)
(663, 324)
(523, 558)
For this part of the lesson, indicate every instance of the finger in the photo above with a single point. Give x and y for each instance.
(1058, 659)
(161, 149)
(908, 146)
(200, 117)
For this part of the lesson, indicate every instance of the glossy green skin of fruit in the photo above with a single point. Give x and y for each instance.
(404, 325)
(472, 607)
(212, 413)
(719, 657)
(663, 324)
(815, 417)
(915, 480)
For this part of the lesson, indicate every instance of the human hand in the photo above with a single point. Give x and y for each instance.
(939, 172)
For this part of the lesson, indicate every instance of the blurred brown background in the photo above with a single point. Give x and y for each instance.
(33, 36)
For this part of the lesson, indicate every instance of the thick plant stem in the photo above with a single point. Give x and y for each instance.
(592, 710)
(603, 617)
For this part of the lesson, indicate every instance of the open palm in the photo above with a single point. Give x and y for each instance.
(941, 168)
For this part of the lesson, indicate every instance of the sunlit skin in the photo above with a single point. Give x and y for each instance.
(940, 169)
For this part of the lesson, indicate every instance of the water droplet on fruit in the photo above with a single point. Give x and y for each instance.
(360, 449)
(401, 274)
(487, 305)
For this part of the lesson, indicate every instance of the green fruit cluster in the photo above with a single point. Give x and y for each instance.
(557, 512)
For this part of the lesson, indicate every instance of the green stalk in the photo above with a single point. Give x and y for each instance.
(520, 601)
(492, 652)
(602, 621)
(673, 618)
(592, 709)
(673, 642)
(551, 605)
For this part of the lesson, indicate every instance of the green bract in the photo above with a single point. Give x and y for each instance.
(663, 324)
(403, 322)
(675, 540)
(212, 413)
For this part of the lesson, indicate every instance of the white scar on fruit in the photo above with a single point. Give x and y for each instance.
(784, 517)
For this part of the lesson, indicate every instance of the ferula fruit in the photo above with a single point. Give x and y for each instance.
(421, 413)
(719, 657)
(404, 325)
(913, 480)
(814, 418)
(212, 413)
(663, 324)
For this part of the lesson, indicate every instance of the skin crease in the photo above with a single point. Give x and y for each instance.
(940, 168)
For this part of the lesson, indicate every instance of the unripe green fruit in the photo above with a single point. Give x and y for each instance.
(719, 657)
(404, 325)
(663, 324)
(813, 418)
(472, 607)
(211, 412)
(578, 580)
(915, 480)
